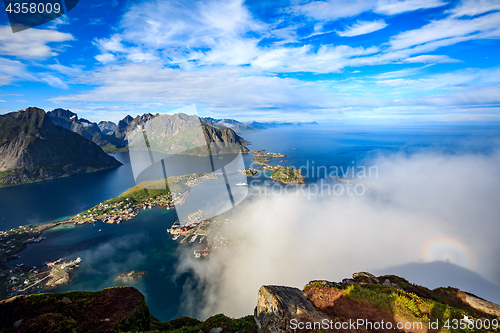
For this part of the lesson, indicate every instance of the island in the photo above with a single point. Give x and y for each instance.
(345, 180)
(130, 277)
(250, 172)
(261, 160)
(281, 173)
(287, 175)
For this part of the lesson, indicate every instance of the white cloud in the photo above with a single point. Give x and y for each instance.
(393, 7)
(471, 96)
(54, 81)
(362, 27)
(474, 7)
(171, 24)
(105, 57)
(397, 82)
(431, 58)
(217, 89)
(61, 20)
(334, 9)
(68, 71)
(31, 43)
(112, 44)
(11, 70)
(448, 31)
(401, 73)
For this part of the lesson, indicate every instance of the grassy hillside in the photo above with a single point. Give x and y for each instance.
(407, 302)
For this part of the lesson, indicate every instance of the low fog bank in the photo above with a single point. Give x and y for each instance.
(420, 208)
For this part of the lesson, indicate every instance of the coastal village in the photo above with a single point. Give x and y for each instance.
(20, 279)
(146, 195)
(205, 235)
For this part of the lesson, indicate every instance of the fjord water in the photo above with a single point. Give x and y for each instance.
(143, 243)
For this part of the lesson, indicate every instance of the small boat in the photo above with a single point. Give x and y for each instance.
(175, 237)
(100, 229)
(242, 184)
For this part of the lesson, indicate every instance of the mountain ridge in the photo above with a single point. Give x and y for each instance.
(33, 148)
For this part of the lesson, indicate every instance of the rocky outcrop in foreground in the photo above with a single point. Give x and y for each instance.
(364, 299)
(367, 301)
(117, 309)
(113, 309)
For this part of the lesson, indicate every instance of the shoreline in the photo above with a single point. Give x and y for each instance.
(167, 194)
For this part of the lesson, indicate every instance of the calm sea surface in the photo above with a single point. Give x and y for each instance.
(143, 243)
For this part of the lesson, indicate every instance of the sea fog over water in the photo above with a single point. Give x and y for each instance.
(434, 198)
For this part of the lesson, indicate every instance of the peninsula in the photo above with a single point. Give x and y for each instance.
(164, 193)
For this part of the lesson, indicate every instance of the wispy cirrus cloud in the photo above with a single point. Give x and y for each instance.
(431, 58)
(362, 28)
(335, 9)
(393, 7)
(448, 31)
(11, 70)
(474, 7)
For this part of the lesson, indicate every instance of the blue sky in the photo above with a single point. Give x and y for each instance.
(359, 61)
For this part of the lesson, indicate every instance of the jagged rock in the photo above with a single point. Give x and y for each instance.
(66, 300)
(483, 305)
(18, 322)
(365, 277)
(167, 134)
(278, 305)
(129, 277)
(216, 330)
(324, 283)
(348, 281)
(388, 283)
(87, 129)
(107, 127)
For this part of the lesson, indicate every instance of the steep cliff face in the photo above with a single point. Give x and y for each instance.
(277, 306)
(363, 303)
(128, 124)
(180, 134)
(70, 121)
(32, 148)
(87, 129)
(107, 127)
